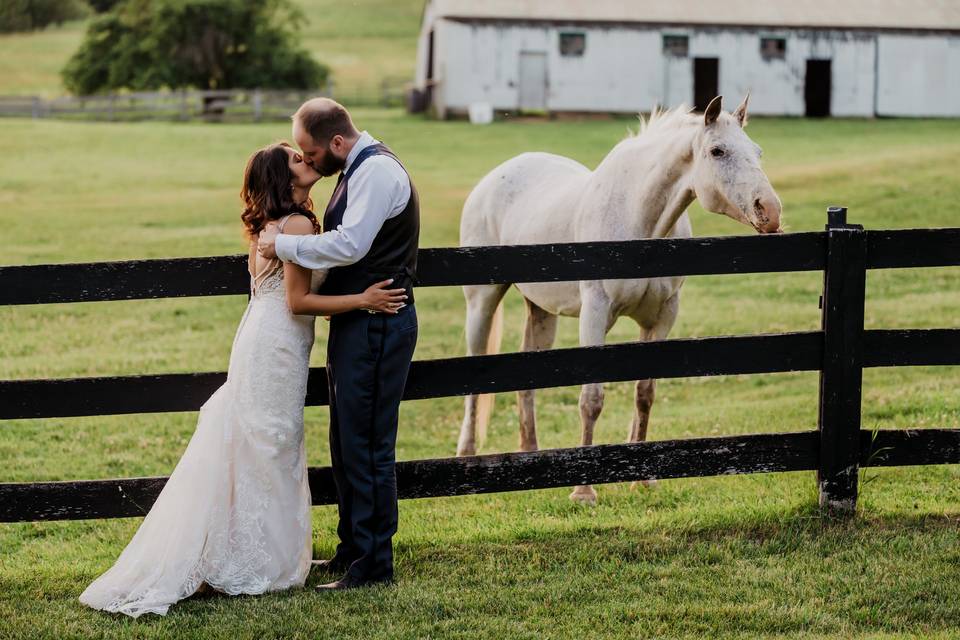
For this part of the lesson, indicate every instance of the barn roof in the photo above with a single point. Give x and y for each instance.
(853, 14)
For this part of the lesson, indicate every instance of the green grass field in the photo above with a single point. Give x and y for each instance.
(738, 557)
(364, 43)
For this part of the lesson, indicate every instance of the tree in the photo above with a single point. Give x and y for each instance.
(27, 15)
(203, 44)
(102, 6)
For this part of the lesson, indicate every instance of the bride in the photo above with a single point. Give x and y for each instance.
(235, 514)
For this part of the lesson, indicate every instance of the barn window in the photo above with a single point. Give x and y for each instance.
(771, 48)
(677, 46)
(573, 44)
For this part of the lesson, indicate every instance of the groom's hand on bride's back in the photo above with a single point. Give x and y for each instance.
(266, 243)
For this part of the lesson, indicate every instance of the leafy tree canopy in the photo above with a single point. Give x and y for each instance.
(203, 44)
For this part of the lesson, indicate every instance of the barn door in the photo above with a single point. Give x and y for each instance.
(533, 80)
(816, 88)
(706, 81)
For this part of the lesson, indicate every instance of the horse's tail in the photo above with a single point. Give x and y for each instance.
(485, 401)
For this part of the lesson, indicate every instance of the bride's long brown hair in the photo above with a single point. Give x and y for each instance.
(267, 194)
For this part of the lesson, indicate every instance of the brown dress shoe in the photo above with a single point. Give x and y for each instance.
(349, 581)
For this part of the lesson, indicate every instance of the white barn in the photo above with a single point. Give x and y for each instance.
(796, 57)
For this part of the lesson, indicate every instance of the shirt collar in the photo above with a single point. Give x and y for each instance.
(364, 141)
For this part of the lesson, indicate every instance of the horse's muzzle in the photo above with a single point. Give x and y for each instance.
(766, 213)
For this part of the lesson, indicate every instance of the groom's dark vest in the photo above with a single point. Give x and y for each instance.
(393, 253)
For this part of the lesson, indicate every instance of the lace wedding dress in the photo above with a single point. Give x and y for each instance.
(235, 512)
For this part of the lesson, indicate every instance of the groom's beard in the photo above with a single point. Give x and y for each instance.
(330, 165)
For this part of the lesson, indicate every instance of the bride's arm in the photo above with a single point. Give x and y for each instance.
(252, 263)
(302, 302)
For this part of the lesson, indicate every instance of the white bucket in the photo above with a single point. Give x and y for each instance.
(481, 113)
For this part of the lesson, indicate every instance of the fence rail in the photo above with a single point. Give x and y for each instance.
(840, 350)
(226, 275)
(599, 464)
(439, 378)
(238, 105)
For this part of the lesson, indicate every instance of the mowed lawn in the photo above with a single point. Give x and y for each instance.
(739, 557)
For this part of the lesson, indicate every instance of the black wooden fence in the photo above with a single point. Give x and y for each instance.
(840, 350)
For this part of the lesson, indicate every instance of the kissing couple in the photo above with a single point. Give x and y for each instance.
(234, 516)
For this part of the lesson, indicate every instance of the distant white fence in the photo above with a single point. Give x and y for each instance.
(226, 105)
(229, 105)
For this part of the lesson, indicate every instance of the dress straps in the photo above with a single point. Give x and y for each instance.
(283, 221)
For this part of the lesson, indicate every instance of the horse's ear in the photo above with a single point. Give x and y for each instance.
(741, 112)
(713, 111)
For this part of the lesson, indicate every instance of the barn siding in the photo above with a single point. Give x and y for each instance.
(919, 76)
(625, 70)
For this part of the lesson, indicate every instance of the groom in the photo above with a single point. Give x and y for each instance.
(371, 230)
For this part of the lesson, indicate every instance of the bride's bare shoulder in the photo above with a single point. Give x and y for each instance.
(298, 225)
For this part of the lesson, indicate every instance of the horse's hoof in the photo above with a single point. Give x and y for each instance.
(584, 495)
(647, 484)
(466, 451)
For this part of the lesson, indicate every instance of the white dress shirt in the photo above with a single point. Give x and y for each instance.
(379, 190)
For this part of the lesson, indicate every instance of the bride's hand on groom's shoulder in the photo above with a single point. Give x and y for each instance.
(378, 298)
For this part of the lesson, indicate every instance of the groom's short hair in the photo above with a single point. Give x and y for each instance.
(324, 118)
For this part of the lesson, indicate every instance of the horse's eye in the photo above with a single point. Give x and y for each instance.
(716, 152)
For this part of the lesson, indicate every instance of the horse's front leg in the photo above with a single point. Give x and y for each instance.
(646, 389)
(596, 318)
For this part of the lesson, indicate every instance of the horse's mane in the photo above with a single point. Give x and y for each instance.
(664, 120)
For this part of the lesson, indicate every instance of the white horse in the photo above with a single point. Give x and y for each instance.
(640, 190)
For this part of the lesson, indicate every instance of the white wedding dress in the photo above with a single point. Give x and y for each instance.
(235, 512)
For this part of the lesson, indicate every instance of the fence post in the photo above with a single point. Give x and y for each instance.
(844, 281)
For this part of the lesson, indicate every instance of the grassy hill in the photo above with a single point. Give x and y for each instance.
(363, 41)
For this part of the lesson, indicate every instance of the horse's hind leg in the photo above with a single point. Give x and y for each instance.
(643, 397)
(482, 307)
(646, 389)
(538, 334)
(645, 392)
